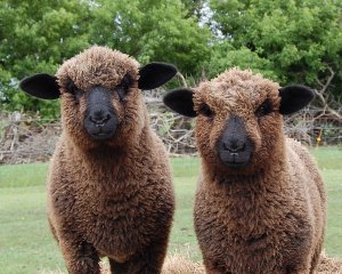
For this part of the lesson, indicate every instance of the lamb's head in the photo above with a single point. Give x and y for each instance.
(100, 91)
(239, 118)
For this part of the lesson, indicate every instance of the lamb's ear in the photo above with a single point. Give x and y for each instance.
(180, 100)
(41, 85)
(294, 98)
(154, 75)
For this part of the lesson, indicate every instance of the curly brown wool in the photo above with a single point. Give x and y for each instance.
(107, 196)
(260, 204)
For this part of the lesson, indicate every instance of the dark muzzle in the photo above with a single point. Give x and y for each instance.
(234, 146)
(100, 120)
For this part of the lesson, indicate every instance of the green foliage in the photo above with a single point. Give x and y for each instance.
(152, 30)
(289, 41)
(36, 36)
(225, 56)
(297, 40)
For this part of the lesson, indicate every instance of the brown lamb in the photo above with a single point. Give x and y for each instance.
(109, 185)
(260, 203)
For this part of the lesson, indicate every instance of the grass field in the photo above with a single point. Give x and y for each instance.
(26, 245)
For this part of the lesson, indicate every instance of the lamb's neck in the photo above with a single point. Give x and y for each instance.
(267, 177)
(108, 170)
(111, 157)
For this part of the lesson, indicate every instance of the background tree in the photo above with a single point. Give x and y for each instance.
(152, 30)
(36, 36)
(291, 41)
(288, 41)
(194, 7)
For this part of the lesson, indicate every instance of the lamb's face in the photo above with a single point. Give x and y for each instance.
(238, 122)
(239, 118)
(100, 96)
(101, 99)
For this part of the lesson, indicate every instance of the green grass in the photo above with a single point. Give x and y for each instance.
(26, 245)
(329, 160)
(23, 175)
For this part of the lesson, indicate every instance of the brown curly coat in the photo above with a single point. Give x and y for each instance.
(111, 198)
(266, 217)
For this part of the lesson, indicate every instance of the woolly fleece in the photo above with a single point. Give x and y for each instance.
(111, 198)
(268, 217)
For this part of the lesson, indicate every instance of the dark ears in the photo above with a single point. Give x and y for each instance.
(41, 85)
(294, 98)
(45, 86)
(180, 101)
(154, 75)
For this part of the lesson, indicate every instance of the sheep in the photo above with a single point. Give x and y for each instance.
(260, 203)
(109, 184)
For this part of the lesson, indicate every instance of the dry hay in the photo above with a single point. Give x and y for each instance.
(329, 265)
(179, 265)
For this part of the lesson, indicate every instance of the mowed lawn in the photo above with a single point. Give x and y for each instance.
(26, 245)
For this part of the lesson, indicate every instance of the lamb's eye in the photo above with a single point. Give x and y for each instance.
(123, 87)
(71, 87)
(206, 110)
(264, 109)
(74, 90)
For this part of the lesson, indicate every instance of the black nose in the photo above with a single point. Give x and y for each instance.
(234, 145)
(99, 117)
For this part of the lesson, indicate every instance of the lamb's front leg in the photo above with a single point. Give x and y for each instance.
(147, 261)
(80, 257)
